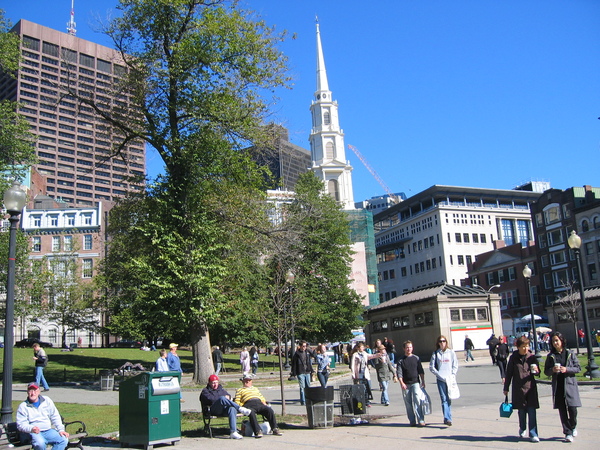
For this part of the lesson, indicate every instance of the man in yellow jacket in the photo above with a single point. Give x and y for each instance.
(250, 397)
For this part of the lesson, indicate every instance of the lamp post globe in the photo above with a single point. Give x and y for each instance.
(14, 202)
(592, 368)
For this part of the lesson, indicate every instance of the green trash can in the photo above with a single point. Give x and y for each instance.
(331, 355)
(150, 409)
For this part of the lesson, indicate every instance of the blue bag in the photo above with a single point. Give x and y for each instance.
(506, 408)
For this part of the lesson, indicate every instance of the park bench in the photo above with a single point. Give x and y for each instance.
(10, 437)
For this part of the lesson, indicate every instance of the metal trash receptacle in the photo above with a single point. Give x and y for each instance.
(331, 355)
(353, 399)
(319, 406)
(150, 409)
(107, 380)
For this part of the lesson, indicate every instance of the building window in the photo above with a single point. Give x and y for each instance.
(555, 237)
(585, 226)
(392, 274)
(429, 318)
(523, 231)
(589, 248)
(327, 118)
(512, 274)
(329, 151)
(384, 325)
(592, 272)
(461, 260)
(376, 325)
(490, 278)
(403, 270)
(37, 221)
(87, 268)
(551, 214)
(475, 238)
(37, 244)
(55, 243)
(71, 220)
(501, 276)
(507, 231)
(557, 258)
(87, 219)
(458, 237)
(482, 238)
(87, 242)
(468, 314)
(419, 319)
(482, 314)
(68, 243)
(466, 238)
(455, 315)
(560, 278)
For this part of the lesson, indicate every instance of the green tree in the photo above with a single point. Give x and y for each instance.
(16, 142)
(197, 70)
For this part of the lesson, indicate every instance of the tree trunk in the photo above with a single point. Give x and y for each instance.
(201, 353)
(576, 336)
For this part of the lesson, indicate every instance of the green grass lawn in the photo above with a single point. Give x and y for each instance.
(583, 361)
(83, 364)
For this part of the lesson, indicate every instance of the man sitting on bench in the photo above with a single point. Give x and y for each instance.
(217, 402)
(251, 398)
(36, 416)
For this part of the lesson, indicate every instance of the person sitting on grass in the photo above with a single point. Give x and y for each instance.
(250, 397)
(216, 401)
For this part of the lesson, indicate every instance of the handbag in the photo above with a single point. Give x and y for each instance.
(506, 408)
(453, 391)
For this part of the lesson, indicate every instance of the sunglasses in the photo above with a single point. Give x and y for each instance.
(441, 340)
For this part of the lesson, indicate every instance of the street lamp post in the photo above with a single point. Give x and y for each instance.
(290, 277)
(489, 299)
(527, 275)
(14, 201)
(592, 367)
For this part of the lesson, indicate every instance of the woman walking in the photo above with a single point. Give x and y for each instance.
(386, 372)
(245, 360)
(520, 371)
(444, 366)
(323, 361)
(562, 365)
(359, 368)
(502, 353)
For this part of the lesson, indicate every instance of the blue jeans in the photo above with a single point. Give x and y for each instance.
(414, 411)
(323, 377)
(468, 355)
(39, 377)
(383, 385)
(225, 407)
(446, 402)
(523, 413)
(303, 382)
(48, 437)
(217, 368)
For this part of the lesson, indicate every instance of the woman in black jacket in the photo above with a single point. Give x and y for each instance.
(562, 365)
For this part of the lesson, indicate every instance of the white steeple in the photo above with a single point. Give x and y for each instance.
(327, 139)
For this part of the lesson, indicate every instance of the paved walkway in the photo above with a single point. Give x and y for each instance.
(475, 416)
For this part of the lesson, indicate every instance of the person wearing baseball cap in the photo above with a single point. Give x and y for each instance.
(38, 417)
(216, 401)
(250, 397)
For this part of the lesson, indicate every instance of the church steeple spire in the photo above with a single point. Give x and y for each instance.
(322, 84)
(327, 139)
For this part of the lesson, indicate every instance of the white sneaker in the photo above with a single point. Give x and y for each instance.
(235, 435)
(245, 411)
(534, 439)
(523, 433)
(574, 432)
(569, 438)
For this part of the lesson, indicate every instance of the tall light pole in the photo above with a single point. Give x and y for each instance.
(527, 275)
(592, 367)
(14, 201)
(489, 299)
(290, 277)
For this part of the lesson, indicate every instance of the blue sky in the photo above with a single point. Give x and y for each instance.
(482, 93)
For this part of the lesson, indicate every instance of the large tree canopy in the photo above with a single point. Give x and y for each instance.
(195, 70)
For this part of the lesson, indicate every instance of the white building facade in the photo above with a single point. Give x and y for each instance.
(431, 237)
